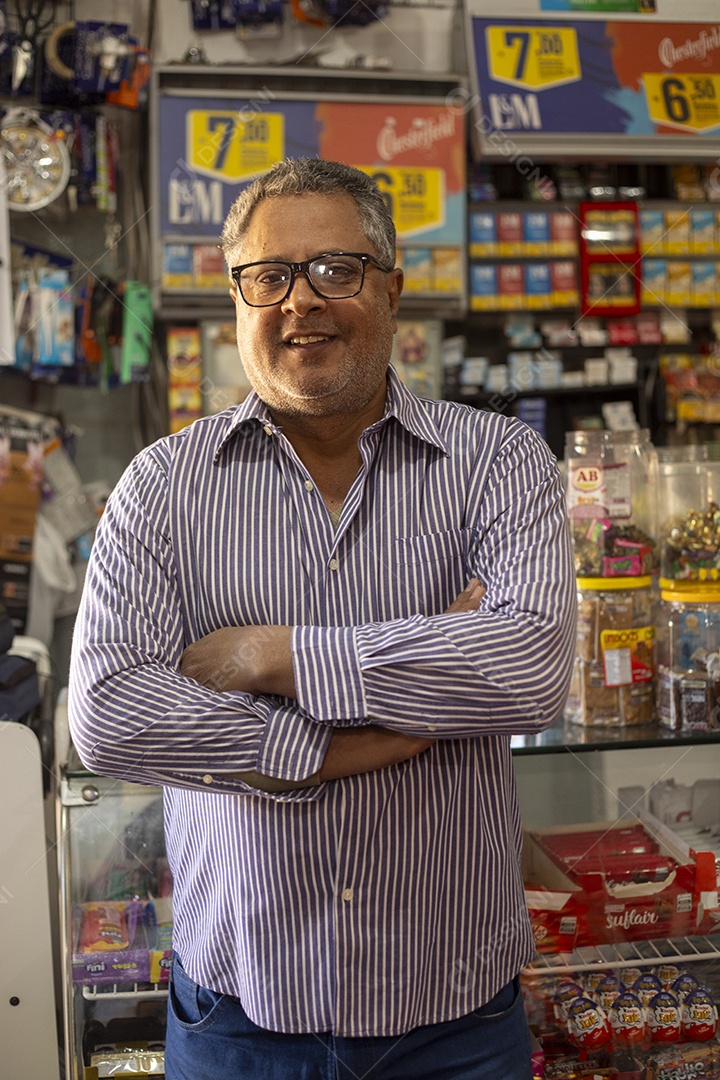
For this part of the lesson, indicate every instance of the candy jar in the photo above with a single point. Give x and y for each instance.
(687, 627)
(689, 514)
(610, 490)
(613, 682)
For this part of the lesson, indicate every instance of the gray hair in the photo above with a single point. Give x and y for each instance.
(314, 176)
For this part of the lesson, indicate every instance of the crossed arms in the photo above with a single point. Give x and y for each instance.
(258, 660)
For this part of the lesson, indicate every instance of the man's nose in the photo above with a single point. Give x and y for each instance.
(302, 297)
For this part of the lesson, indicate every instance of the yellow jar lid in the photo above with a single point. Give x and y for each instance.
(690, 592)
(702, 596)
(685, 586)
(614, 582)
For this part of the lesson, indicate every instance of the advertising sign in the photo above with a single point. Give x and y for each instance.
(647, 6)
(209, 149)
(597, 77)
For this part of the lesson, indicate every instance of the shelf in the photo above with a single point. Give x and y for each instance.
(139, 991)
(562, 735)
(189, 306)
(311, 81)
(483, 396)
(627, 954)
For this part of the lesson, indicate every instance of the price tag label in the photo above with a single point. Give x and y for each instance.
(534, 57)
(231, 145)
(414, 197)
(688, 102)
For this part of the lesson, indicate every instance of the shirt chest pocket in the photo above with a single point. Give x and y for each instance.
(433, 568)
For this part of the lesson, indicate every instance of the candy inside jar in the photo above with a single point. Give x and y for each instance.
(691, 545)
(689, 502)
(604, 548)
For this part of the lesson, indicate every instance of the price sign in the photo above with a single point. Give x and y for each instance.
(414, 197)
(688, 102)
(534, 57)
(233, 145)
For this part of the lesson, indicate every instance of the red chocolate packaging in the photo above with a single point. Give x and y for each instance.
(663, 1013)
(628, 883)
(699, 1016)
(628, 1022)
(588, 1025)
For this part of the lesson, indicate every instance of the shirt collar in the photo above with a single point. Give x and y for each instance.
(401, 403)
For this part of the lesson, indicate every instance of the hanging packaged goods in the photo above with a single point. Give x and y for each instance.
(594, 85)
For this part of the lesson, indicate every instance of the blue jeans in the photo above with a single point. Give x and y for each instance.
(209, 1037)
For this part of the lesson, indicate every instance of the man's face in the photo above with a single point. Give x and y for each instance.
(308, 356)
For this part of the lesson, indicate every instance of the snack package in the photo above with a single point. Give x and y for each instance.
(663, 1013)
(588, 1025)
(699, 1016)
(104, 927)
(628, 1022)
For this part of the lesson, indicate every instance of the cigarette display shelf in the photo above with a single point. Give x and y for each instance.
(564, 405)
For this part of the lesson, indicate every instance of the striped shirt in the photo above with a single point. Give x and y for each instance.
(371, 905)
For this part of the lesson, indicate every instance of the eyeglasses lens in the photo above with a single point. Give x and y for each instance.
(333, 277)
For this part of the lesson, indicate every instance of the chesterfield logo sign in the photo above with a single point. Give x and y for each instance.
(671, 54)
(421, 135)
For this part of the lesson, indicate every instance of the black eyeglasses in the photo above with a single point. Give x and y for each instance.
(334, 276)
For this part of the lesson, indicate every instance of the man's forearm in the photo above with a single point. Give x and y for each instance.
(255, 659)
(350, 751)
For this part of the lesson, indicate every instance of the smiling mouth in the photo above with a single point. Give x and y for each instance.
(307, 339)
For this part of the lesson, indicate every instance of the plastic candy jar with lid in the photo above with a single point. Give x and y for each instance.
(688, 656)
(689, 513)
(610, 488)
(613, 677)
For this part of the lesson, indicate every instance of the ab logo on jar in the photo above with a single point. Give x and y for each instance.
(588, 478)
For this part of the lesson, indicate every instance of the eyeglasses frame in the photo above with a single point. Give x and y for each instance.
(304, 268)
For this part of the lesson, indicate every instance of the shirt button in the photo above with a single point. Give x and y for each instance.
(267, 429)
(309, 486)
(347, 894)
(334, 564)
(432, 727)
(207, 778)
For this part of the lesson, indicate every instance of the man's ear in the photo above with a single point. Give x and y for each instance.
(395, 281)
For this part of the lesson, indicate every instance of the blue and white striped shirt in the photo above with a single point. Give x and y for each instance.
(371, 905)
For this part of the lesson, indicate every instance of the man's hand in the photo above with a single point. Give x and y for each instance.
(468, 600)
(256, 659)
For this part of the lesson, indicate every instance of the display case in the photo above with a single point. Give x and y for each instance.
(569, 779)
(115, 894)
(598, 913)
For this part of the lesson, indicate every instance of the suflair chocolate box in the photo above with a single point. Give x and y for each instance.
(631, 880)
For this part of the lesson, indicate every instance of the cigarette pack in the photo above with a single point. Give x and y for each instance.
(483, 287)
(509, 232)
(563, 233)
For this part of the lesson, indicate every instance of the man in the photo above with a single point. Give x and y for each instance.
(284, 625)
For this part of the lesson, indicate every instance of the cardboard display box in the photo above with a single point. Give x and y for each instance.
(608, 910)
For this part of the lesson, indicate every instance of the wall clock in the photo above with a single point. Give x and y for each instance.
(36, 159)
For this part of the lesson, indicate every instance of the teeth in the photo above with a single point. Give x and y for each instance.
(310, 339)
